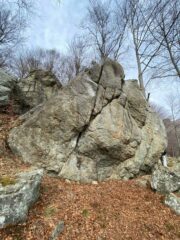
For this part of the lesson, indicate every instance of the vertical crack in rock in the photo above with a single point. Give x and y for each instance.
(93, 115)
(92, 111)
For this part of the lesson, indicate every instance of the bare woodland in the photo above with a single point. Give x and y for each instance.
(151, 29)
(89, 158)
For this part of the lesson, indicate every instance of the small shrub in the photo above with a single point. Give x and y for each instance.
(49, 211)
(85, 213)
(169, 226)
(6, 180)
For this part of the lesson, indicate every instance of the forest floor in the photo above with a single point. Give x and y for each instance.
(112, 210)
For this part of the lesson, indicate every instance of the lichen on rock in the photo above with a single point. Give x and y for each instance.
(173, 202)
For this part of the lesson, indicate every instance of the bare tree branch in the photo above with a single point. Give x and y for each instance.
(105, 29)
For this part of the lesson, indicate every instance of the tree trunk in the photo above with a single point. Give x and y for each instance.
(172, 59)
(140, 74)
(170, 52)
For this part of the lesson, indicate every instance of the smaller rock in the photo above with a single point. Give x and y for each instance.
(17, 195)
(67, 181)
(94, 182)
(57, 231)
(143, 181)
(173, 202)
(165, 181)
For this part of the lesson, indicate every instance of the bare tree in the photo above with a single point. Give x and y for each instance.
(173, 103)
(77, 53)
(19, 3)
(170, 114)
(49, 59)
(34, 59)
(10, 32)
(74, 61)
(65, 69)
(26, 62)
(104, 30)
(140, 17)
(172, 149)
(167, 35)
(64, 66)
(13, 19)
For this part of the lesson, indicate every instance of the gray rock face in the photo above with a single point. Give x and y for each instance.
(90, 131)
(173, 202)
(136, 103)
(16, 198)
(6, 85)
(165, 181)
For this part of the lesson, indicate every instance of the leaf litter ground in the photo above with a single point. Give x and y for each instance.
(112, 210)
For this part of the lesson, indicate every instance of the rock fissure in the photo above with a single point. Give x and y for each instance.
(92, 116)
(98, 127)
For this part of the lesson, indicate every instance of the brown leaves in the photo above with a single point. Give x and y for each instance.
(9, 164)
(111, 210)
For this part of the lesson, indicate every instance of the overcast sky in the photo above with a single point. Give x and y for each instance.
(55, 24)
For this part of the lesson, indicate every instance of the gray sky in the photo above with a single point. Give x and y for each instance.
(55, 24)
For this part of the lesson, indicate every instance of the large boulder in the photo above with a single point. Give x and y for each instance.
(91, 131)
(6, 86)
(17, 195)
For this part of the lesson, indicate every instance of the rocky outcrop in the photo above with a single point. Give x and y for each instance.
(6, 86)
(39, 86)
(165, 180)
(17, 195)
(98, 127)
(173, 202)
